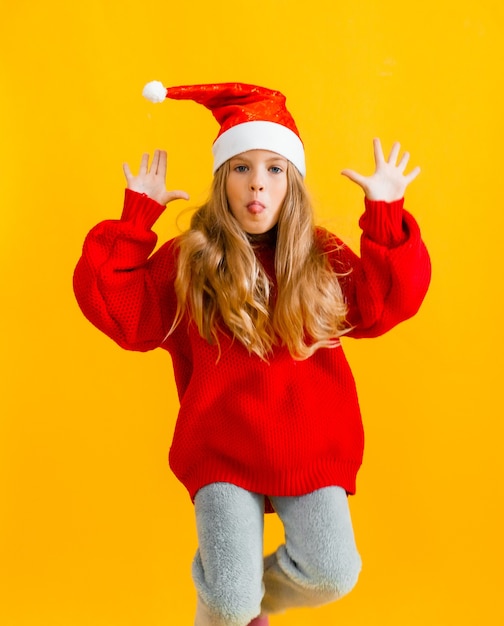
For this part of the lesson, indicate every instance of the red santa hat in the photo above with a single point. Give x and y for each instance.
(250, 118)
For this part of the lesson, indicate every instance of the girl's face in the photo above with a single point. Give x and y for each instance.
(256, 188)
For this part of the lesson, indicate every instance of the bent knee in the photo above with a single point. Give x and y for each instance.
(335, 579)
(230, 601)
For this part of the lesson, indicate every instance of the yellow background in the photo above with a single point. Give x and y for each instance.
(94, 530)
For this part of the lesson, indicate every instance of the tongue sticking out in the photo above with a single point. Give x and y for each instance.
(255, 207)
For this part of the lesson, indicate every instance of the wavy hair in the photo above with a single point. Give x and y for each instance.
(223, 286)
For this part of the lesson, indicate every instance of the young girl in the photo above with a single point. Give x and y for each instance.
(251, 303)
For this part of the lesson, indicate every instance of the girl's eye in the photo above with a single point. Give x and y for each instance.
(276, 169)
(240, 168)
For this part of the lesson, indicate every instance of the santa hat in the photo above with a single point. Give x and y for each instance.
(250, 118)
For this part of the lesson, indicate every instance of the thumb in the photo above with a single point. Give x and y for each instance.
(353, 176)
(176, 195)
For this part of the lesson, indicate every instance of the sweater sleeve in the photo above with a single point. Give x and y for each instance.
(388, 282)
(121, 287)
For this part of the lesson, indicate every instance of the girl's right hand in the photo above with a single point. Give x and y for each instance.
(152, 180)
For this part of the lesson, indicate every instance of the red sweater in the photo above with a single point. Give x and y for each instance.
(285, 427)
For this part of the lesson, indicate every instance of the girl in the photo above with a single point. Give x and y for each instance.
(251, 303)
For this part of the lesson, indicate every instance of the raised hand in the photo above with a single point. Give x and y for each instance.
(152, 180)
(388, 183)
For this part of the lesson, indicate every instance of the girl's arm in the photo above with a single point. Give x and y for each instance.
(120, 287)
(388, 283)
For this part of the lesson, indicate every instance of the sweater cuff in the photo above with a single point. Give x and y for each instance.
(140, 210)
(383, 222)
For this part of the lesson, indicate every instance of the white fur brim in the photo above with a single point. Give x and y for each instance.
(259, 135)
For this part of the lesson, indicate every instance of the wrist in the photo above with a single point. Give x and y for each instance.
(383, 196)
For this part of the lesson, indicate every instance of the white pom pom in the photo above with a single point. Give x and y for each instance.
(154, 91)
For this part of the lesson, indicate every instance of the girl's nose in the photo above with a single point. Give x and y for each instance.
(256, 183)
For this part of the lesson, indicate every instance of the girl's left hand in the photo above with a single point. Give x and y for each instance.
(388, 183)
(152, 180)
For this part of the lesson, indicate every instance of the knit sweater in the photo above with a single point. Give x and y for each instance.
(284, 427)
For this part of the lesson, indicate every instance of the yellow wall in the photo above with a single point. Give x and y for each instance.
(94, 530)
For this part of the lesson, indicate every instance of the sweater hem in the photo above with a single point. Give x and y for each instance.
(287, 482)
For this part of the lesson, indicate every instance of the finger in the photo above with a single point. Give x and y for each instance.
(378, 152)
(127, 173)
(412, 175)
(403, 162)
(154, 163)
(144, 164)
(394, 153)
(162, 163)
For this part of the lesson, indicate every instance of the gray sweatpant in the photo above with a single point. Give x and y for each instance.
(318, 563)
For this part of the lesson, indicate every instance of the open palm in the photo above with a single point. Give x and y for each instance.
(152, 180)
(388, 182)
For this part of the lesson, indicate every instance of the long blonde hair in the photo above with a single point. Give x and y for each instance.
(224, 288)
